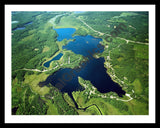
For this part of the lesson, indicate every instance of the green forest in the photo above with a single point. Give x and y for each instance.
(136, 22)
(126, 61)
(28, 44)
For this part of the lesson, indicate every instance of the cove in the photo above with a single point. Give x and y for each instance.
(66, 80)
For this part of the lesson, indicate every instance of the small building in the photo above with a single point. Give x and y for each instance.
(108, 58)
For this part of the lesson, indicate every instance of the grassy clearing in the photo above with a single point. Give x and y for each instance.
(68, 22)
(137, 108)
(81, 112)
(33, 81)
(137, 86)
(93, 110)
(141, 51)
(45, 49)
(68, 99)
(52, 110)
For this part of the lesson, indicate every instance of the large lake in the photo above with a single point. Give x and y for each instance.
(93, 69)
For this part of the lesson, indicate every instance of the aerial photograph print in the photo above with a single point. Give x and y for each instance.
(79, 62)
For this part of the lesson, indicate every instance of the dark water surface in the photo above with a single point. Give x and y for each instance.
(85, 45)
(66, 80)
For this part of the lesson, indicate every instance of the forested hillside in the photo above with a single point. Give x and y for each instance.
(136, 22)
(28, 44)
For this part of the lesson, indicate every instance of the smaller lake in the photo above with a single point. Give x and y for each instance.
(14, 22)
(77, 12)
(28, 23)
(55, 58)
(21, 28)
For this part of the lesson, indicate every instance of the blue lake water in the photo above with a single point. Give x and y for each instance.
(79, 12)
(55, 58)
(66, 80)
(65, 33)
(28, 23)
(21, 28)
(84, 45)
